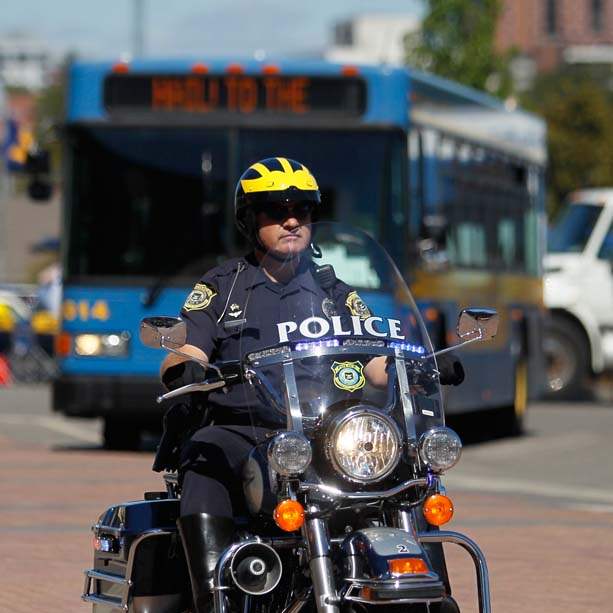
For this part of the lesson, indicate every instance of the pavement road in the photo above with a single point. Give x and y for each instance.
(539, 506)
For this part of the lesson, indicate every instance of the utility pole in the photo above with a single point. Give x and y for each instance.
(138, 28)
(4, 190)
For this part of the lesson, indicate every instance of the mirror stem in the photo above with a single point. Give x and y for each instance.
(447, 349)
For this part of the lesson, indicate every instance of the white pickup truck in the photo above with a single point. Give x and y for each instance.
(579, 293)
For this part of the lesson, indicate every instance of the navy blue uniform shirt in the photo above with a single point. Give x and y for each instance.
(234, 310)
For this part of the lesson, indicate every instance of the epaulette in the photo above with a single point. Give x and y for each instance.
(227, 268)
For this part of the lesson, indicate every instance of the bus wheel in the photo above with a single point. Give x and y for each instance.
(509, 420)
(121, 435)
(567, 358)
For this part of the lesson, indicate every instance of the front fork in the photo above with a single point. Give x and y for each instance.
(315, 534)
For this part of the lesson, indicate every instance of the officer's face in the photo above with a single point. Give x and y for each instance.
(284, 229)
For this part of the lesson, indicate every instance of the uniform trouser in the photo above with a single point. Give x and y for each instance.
(211, 469)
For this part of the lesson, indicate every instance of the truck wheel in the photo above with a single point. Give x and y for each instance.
(121, 435)
(567, 358)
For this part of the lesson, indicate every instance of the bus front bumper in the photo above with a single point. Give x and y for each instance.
(87, 396)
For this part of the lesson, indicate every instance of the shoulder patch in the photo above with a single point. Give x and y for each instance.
(356, 305)
(200, 297)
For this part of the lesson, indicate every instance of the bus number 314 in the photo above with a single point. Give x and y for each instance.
(85, 310)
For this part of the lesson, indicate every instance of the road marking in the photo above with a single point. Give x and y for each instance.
(88, 434)
(591, 508)
(517, 486)
(83, 433)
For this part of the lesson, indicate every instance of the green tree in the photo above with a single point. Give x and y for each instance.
(50, 114)
(578, 111)
(51, 102)
(457, 41)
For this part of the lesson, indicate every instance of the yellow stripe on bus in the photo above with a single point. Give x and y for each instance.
(483, 289)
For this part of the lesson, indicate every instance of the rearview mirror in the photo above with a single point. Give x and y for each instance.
(160, 332)
(477, 323)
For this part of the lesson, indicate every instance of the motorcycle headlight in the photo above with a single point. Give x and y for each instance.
(440, 448)
(364, 445)
(289, 453)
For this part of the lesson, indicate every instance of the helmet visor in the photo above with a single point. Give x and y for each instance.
(286, 196)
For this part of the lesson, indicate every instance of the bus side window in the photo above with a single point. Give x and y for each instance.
(507, 242)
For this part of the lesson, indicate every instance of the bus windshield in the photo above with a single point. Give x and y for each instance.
(573, 229)
(154, 202)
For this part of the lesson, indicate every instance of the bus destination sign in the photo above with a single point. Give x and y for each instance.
(235, 94)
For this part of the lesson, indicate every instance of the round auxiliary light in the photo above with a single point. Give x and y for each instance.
(440, 448)
(364, 445)
(289, 453)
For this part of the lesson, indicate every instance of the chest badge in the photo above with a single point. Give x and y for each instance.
(200, 297)
(328, 307)
(234, 310)
(356, 306)
(348, 376)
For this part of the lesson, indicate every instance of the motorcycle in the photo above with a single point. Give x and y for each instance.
(346, 499)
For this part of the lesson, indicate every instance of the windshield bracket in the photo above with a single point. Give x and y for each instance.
(405, 396)
(294, 417)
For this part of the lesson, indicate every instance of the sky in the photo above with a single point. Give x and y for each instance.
(96, 29)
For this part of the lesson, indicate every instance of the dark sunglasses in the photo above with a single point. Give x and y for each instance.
(279, 212)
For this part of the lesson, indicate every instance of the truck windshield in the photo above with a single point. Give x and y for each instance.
(151, 202)
(573, 229)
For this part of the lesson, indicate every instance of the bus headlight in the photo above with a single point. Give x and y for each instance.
(289, 453)
(364, 445)
(440, 448)
(102, 345)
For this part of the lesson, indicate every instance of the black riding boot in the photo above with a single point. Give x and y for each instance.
(204, 539)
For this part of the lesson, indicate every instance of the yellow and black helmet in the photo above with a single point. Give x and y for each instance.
(273, 180)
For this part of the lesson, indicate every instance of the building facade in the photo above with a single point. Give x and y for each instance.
(372, 39)
(24, 62)
(548, 33)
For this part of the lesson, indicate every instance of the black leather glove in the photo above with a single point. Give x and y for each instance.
(450, 369)
(183, 374)
(180, 421)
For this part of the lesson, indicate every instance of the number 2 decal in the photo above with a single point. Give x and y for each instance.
(402, 548)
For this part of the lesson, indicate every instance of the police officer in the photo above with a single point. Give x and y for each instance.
(276, 200)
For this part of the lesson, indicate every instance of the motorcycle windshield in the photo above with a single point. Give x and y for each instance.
(345, 331)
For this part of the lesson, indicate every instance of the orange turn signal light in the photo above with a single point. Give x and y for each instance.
(350, 71)
(63, 344)
(289, 515)
(199, 68)
(431, 314)
(121, 67)
(271, 69)
(438, 509)
(235, 69)
(407, 566)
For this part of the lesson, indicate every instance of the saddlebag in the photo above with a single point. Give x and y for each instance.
(138, 558)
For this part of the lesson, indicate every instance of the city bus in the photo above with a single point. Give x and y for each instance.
(448, 179)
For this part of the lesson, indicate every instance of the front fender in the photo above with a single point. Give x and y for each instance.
(367, 571)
